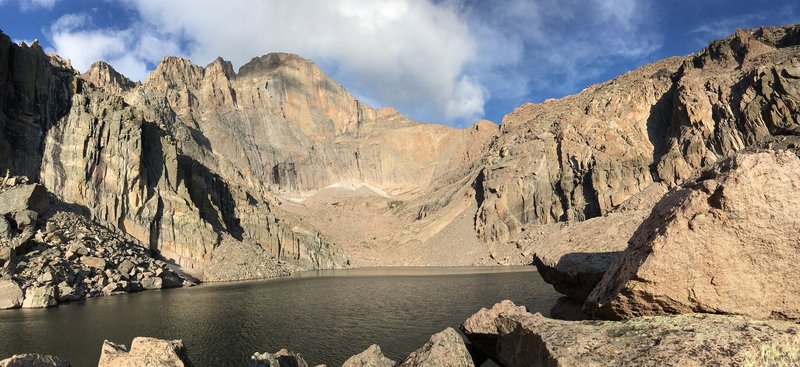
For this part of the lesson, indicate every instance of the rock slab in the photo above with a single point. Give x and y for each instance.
(371, 357)
(33, 360)
(11, 295)
(144, 352)
(724, 242)
(445, 348)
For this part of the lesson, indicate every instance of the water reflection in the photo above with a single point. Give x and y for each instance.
(326, 316)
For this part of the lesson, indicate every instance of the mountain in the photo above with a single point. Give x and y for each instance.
(233, 173)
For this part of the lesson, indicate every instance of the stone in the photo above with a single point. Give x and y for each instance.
(11, 295)
(111, 288)
(25, 218)
(79, 249)
(40, 297)
(481, 328)
(283, 358)
(152, 283)
(6, 232)
(34, 360)
(371, 357)
(94, 262)
(125, 267)
(576, 257)
(445, 348)
(144, 352)
(682, 340)
(724, 242)
(24, 197)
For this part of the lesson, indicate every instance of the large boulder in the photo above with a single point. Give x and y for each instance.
(481, 329)
(575, 258)
(11, 295)
(371, 357)
(40, 297)
(445, 348)
(24, 197)
(144, 352)
(33, 360)
(283, 358)
(726, 241)
(682, 340)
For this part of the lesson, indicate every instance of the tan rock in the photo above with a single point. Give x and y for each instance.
(371, 357)
(283, 358)
(144, 352)
(684, 340)
(40, 297)
(724, 242)
(575, 258)
(33, 360)
(11, 295)
(481, 327)
(445, 348)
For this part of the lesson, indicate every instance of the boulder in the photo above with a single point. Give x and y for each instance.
(33, 360)
(283, 358)
(94, 262)
(125, 267)
(682, 340)
(445, 348)
(480, 328)
(152, 283)
(144, 352)
(24, 197)
(11, 295)
(40, 297)
(726, 241)
(371, 357)
(575, 258)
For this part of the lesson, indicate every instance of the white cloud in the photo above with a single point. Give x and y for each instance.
(27, 5)
(128, 50)
(434, 60)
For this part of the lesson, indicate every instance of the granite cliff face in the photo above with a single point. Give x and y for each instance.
(583, 155)
(200, 164)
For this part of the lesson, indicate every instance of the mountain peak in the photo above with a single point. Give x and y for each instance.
(106, 77)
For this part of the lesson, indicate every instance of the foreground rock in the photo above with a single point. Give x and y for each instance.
(481, 327)
(371, 357)
(727, 241)
(144, 352)
(575, 258)
(683, 340)
(34, 360)
(283, 358)
(446, 348)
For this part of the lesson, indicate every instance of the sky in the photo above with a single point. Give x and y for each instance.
(437, 61)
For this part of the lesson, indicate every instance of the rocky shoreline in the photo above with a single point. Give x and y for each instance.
(51, 253)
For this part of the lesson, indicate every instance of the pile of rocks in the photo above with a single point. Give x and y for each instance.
(51, 253)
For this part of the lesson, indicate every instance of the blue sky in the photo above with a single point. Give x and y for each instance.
(444, 61)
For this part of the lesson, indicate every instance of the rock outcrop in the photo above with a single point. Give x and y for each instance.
(684, 340)
(282, 358)
(33, 360)
(11, 295)
(445, 348)
(481, 327)
(725, 242)
(581, 156)
(371, 357)
(144, 352)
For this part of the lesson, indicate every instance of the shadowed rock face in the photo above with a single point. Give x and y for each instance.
(725, 241)
(581, 156)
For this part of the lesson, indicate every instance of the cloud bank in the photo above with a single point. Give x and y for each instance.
(435, 60)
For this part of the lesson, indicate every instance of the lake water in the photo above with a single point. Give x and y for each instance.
(325, 316)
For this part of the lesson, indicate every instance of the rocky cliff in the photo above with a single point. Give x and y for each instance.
(583, 155)
(197, 157)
